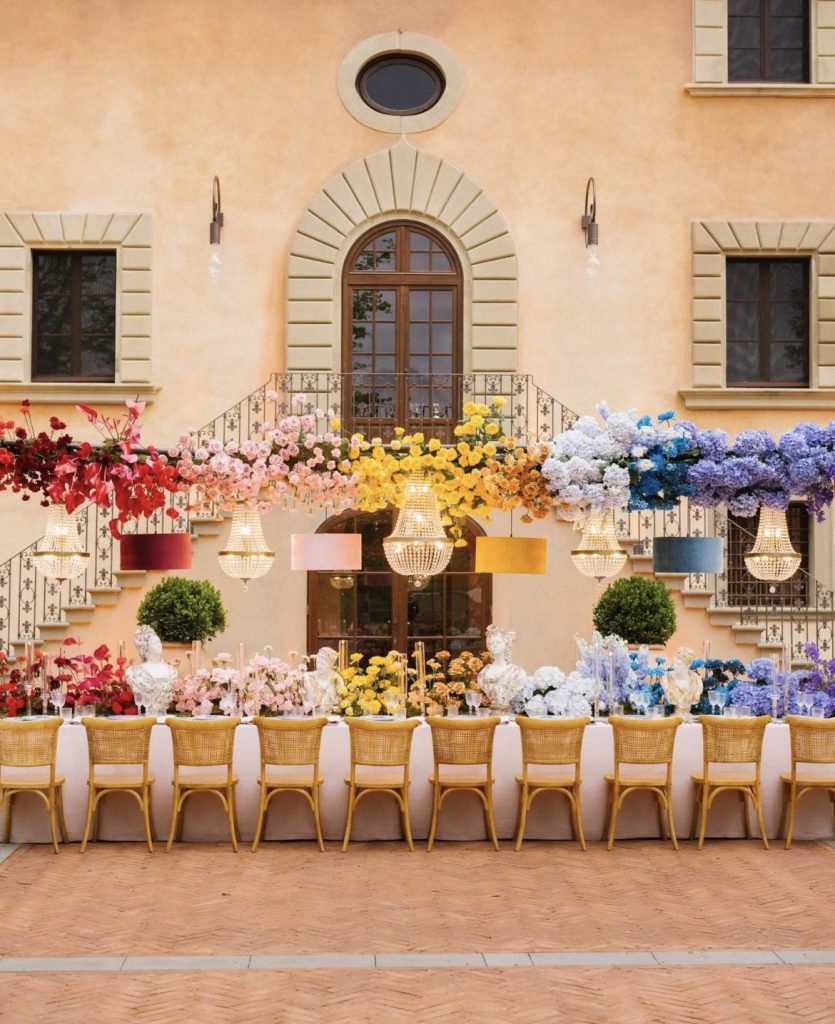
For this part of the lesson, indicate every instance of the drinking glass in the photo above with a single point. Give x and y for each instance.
(805, 701)
(818, 713)
(473, 699)
(716, 701)
(743, 711)
(57, 698)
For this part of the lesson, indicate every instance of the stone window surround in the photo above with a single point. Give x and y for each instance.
(130, 235)
(405, 183)
(712, 243)
(407, 42)
(710, 55)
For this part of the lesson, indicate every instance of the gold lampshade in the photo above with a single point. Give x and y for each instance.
(523, 555)
(418, 546)
(599, 554)
(326, 552)
(61, 555)
(246, 555)
(772, 557)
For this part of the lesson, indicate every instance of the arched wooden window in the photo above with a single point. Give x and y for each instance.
(401, 336)
(376, 610)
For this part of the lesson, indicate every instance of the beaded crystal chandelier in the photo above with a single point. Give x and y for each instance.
(418, 546)
(246, 555)
(599, 554)
(772, 557)
(60, 555)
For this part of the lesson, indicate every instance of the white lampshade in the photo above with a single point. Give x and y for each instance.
(326, 552)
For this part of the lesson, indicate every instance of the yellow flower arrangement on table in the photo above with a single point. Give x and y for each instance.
(363, 689)
(448, 679)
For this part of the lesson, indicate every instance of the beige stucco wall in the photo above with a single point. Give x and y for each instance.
(109, 105)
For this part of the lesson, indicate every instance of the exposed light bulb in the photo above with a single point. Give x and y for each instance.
(592, 263)
(214, 264)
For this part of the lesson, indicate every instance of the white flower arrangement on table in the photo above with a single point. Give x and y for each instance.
(550, 691)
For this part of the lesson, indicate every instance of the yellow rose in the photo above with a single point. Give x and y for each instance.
(500, 402)
(477, 421)
(399, 431)
(469, 408)
(492, 429)
(417, 438)
(434, 444)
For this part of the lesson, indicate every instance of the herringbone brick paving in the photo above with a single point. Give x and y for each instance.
(117, 900)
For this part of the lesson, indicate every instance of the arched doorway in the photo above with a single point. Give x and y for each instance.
(376, 610)
(401, 332)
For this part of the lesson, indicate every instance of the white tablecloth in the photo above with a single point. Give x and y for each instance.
(377, 816)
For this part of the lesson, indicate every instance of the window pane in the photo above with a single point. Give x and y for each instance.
(743, 7)
(788, 363)
(98, 357)
(743, 321)
(788, 322)
(418, 364)
(378, 255)
(419, 262)
(744, 66)
(442, 338)
(465, 597)
(786, 33)
(54, 355)
(743, 279)
(442, 305)
(425, 609)
(441, 364)
(53, 314)
(744, 33)
(419, 338)
(787, 66)
(384, 338)
(418, 305)
(419, 241)
(52, 270)
(440, 263)
(743, 361)
(788, 280)
(787, 8)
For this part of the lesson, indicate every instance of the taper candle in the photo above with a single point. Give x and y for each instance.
(241, 657)
(343, 656)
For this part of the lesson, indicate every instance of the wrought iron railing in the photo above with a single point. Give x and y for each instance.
(432, 403)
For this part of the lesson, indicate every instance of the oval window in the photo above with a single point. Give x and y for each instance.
(398, 83)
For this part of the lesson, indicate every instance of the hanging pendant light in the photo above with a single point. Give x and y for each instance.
(246, 556)
(522, 555)
(418, 546)
(772, 557)
(599, 554)
(157, 551)
(60, 555)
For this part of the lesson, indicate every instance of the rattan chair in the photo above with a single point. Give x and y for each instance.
(728, 744)
(198, 746)
(27, 765)
(643, 763)
(380, 755)
(295, 744)
(812, 743)
(111, 744)
(547, 743)
(457, 744)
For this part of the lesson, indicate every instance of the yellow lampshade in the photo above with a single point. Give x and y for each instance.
(523, 555)
(326, 552)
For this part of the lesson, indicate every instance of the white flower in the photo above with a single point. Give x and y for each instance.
(536, 706)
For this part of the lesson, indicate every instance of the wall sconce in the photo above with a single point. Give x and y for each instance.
(214, 231)
(588, 222)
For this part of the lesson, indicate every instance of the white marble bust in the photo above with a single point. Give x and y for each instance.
(682, 686)
(319, 686)
(152, 680)
(501, 680)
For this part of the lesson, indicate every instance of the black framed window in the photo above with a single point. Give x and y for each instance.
(768, 40)
(401, 83)
(768, 322)
(74, 315)
(746, 591)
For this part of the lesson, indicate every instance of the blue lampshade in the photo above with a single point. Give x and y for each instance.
(687, 554)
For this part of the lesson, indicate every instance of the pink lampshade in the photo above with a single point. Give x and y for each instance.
(326, 552)
(155, 551)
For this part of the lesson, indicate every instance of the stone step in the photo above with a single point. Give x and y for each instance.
(79, 612)
(131, 579)
(107, 596)
(673, 580)
(208, 527)
(747, 634)
(53, 630)
(696, 598)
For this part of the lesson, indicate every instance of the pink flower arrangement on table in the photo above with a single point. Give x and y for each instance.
(290, 463)
(267, 686)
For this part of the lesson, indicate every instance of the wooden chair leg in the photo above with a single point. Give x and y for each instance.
(745, 818)
(172, 828)
(578, 818)
(613, 816)
(521, 817)
(146, 813)
(405, 819)
(233, 824)
(88, 821)
(181, 818)
(703, 817)
(760, 817)
(96, 814)
(662, 827)
(262, 811)
(7, 831)
(670, 818)
(792, 809)
(62, 823)
(53, 820)
(436, 805)
(317, 819)
(694, 818)
(609, 789)
(488, 816)
(346, 838)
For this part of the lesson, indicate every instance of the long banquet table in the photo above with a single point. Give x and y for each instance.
(377, 816)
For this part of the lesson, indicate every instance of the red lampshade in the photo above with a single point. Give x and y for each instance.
(326, 552)
(155, 551)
